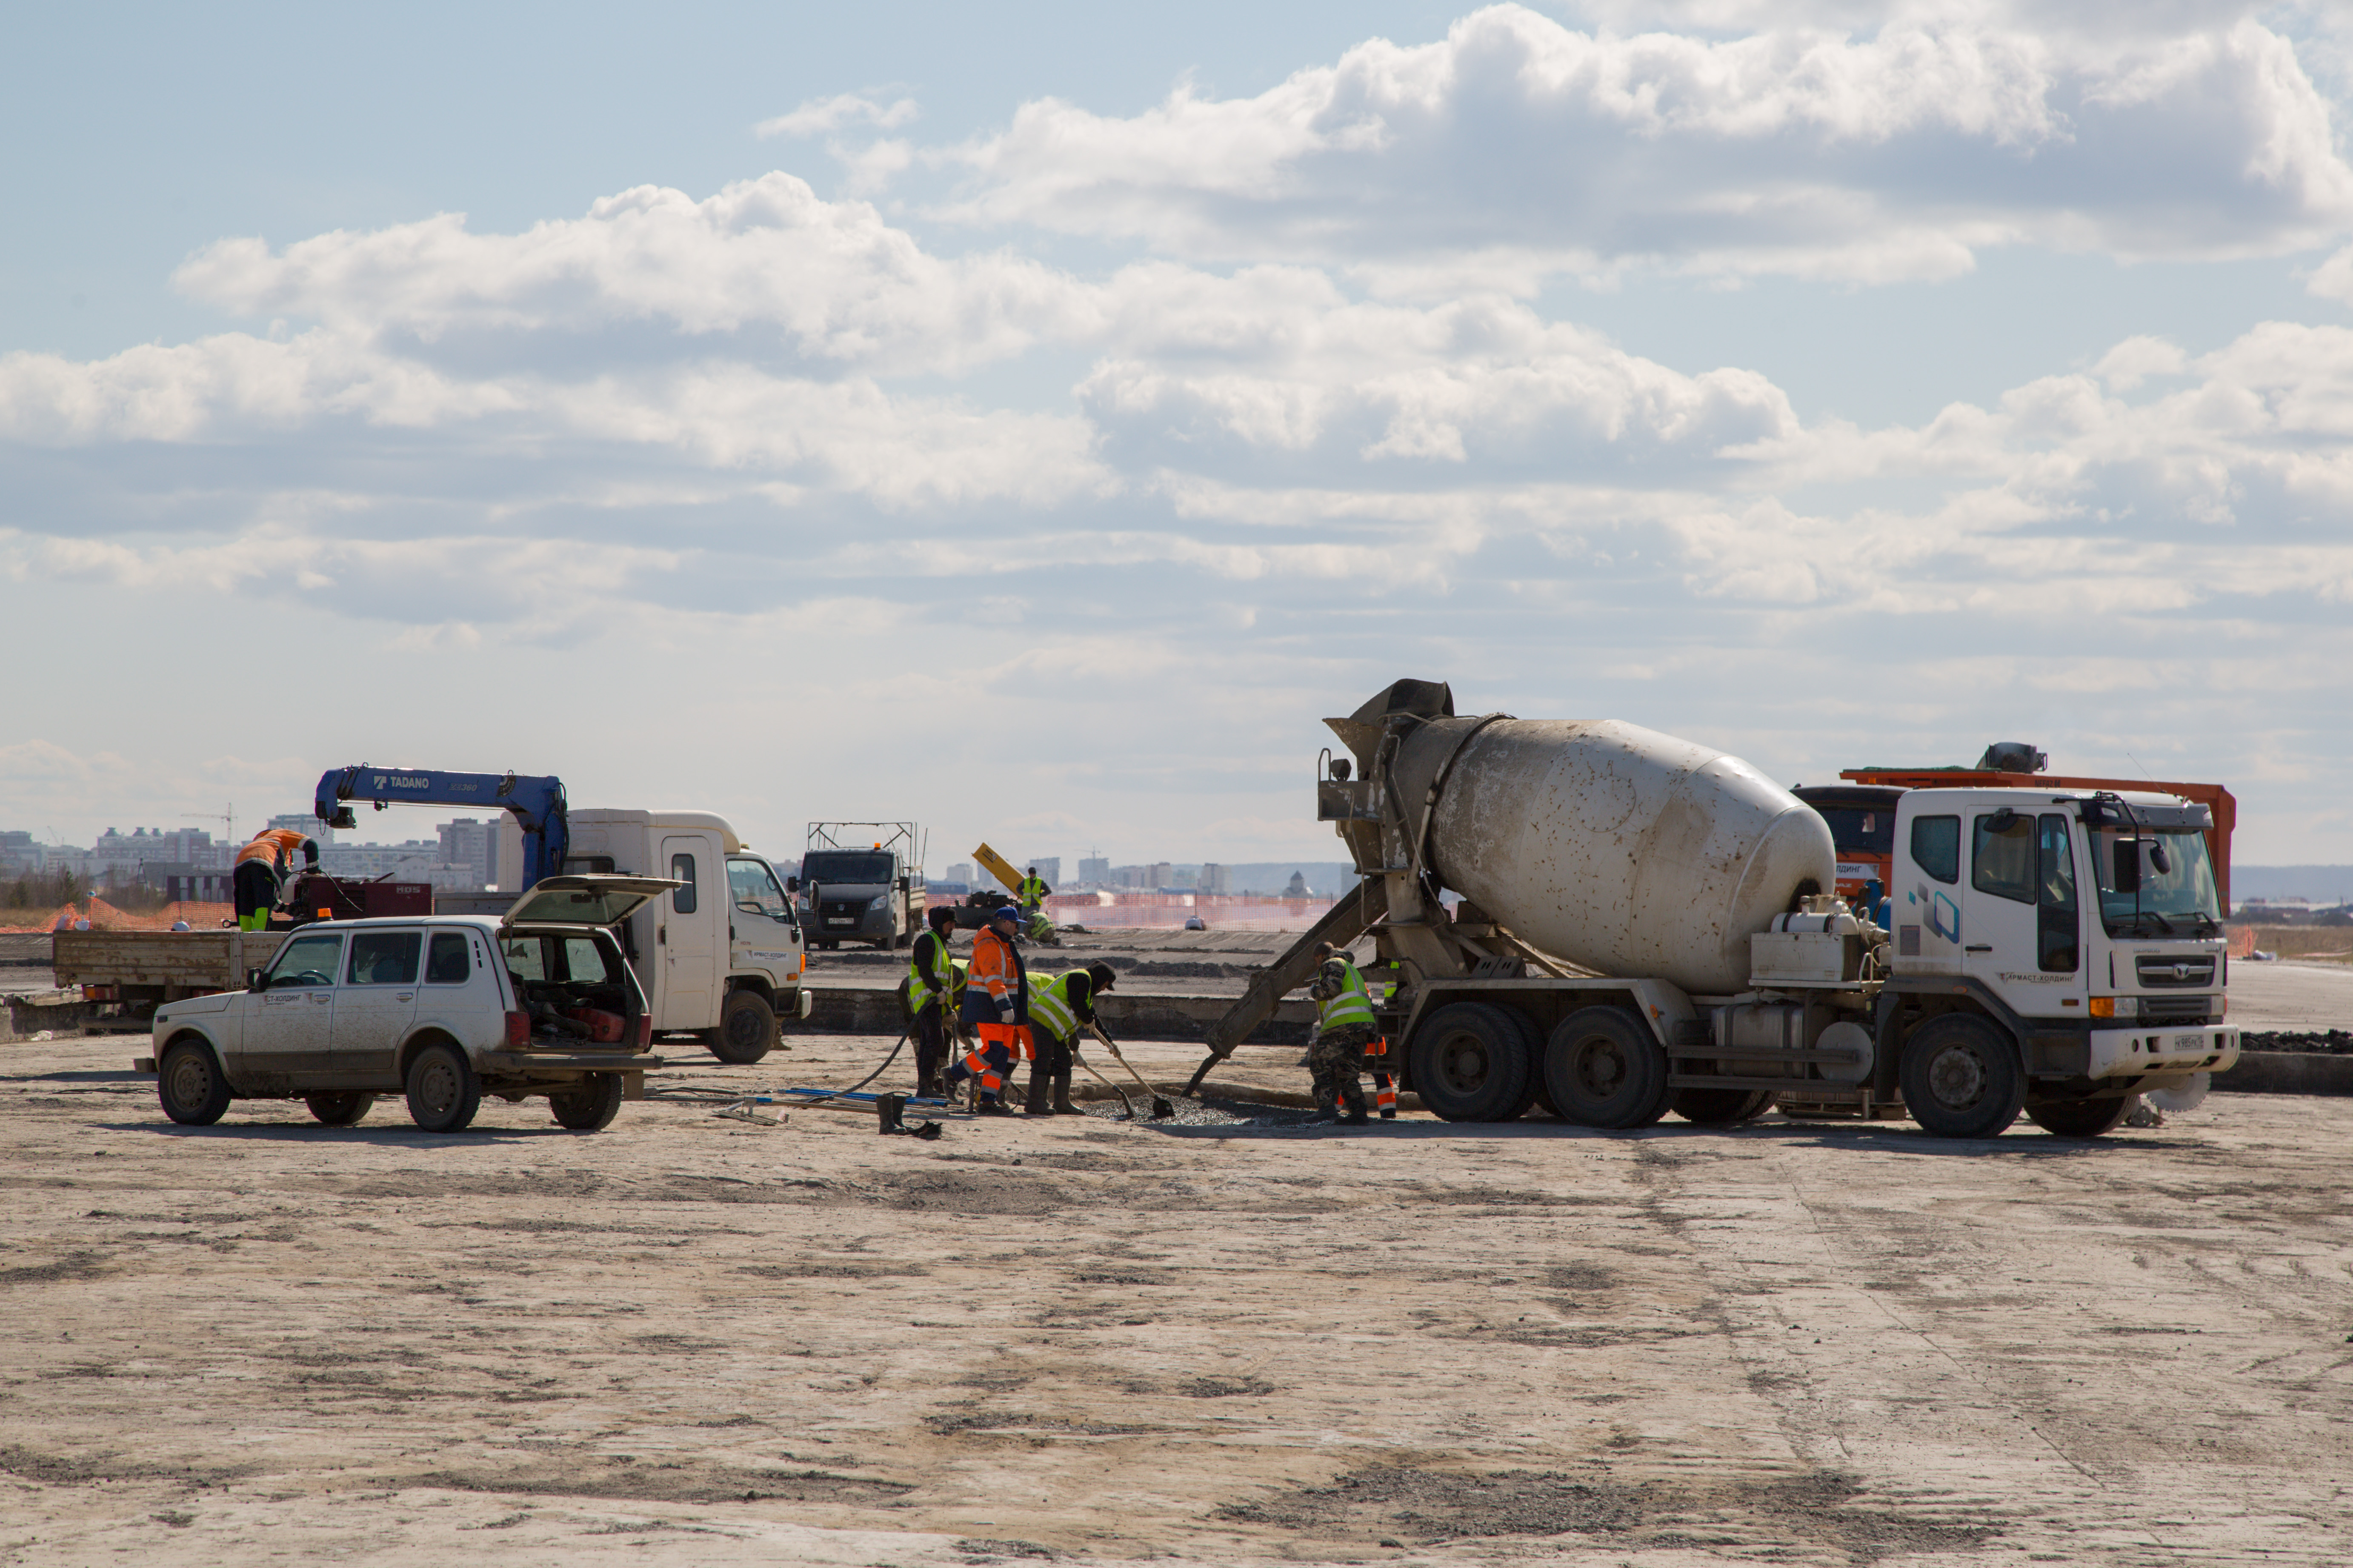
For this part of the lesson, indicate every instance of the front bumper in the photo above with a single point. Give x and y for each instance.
(2192, 1048)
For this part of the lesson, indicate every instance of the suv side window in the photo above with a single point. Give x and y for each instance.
(2001, 859)
(681, 899)
(583, 960)
(383, 958)
(526, 957)
(445, 959)
(307, 960)
(1936, 846)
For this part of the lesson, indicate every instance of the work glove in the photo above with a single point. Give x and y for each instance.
(1005, 1013)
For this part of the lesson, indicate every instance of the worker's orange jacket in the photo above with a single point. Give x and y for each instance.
(996, 974)
(273, 846)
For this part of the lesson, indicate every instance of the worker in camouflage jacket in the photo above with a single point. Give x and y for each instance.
(1344, 1026)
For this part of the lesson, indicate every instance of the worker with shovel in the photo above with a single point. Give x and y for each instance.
(996, 1003)
(1058, 1009)
(933, 993)
(1344, 1026)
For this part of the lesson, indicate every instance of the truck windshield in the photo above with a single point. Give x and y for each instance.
(846, 866)
(2178, 899)
(1861, 829)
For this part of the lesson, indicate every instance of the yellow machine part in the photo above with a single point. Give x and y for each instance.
(998, 866)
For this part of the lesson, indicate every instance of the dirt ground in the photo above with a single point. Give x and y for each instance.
(690, 1341)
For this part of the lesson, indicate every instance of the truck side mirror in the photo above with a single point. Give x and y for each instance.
(256, 980)
(2128, 867)
(2159, 860)
(792, 884)
(904, 883)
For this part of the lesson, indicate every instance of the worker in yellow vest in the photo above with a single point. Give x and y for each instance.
(935, 993)
(1059, 1009)
(1344, 1026)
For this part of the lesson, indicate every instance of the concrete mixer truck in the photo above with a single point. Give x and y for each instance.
(1646, 925)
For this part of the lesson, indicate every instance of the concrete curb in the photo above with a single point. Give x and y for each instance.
(2287, 1072)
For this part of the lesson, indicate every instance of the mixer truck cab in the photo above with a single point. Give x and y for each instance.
(2083, 930)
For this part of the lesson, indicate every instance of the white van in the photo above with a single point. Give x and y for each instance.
(721, 957)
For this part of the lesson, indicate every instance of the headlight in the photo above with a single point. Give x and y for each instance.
(2115, 1006)
(879, 901)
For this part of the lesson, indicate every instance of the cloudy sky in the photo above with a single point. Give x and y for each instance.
(1033, 418)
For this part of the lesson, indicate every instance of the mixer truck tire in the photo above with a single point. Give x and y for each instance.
(2080, 1118)
(1532, 1044)
(1470, 1062)
(1721, 1107)
(1961, 1077)
(1604, 1068)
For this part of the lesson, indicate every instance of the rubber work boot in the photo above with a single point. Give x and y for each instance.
(1035, 1105)
(1063, 1105)
(1355, 1119)
(1389, 1115)
(992, 1108)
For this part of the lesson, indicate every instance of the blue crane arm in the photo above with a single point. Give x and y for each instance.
(538, 804)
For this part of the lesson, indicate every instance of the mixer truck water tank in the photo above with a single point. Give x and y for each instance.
(1616, 847)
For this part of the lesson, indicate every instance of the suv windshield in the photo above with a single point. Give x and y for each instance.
(846, 866)
(2177, 900)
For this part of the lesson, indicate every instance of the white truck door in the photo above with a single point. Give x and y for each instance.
(1926, 898)
(289, 1027)
(375, 1003)
(691, 919)
(2000, 910)
(762, 936)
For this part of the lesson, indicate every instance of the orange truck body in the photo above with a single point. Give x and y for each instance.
(2214, 798)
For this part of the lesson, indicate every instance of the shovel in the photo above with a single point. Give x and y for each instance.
(1127, 1106)
(1161, 1109)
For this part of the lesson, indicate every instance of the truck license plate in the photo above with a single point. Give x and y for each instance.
(838, 921)
(2188, 1042)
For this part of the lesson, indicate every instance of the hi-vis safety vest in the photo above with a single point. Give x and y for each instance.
(1049, 1004)
(271, 845)
(920, 994)
(1032, 891)
(1349, 1005)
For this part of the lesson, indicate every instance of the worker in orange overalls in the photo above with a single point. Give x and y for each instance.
(258, 877)
(997, 1004)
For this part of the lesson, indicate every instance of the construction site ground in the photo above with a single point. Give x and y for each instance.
(1233, 1338)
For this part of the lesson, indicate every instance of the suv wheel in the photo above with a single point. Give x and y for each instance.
(747, 1028)
(590, 1108)
(443, 1092)
(190, 1085)
(1961, 1077)
(342, 1109)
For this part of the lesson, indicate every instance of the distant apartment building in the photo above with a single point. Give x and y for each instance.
(961, 874)
(1214, 879)
(471, 846)
(1050, 867)
(1094, 869)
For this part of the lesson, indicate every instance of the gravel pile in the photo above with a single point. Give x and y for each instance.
(2331, 1042)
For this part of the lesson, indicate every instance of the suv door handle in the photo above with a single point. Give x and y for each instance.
(1979, 947)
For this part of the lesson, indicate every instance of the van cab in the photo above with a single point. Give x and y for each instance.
(441, 1008)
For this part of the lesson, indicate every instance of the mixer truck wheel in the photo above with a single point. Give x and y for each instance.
(1721, 1107)
(1531, 1040)
(1961, 1078)
(2080, 1118)
(1470, 1062)
(1605, 1069)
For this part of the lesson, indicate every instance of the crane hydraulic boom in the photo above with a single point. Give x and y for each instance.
(538, 806)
